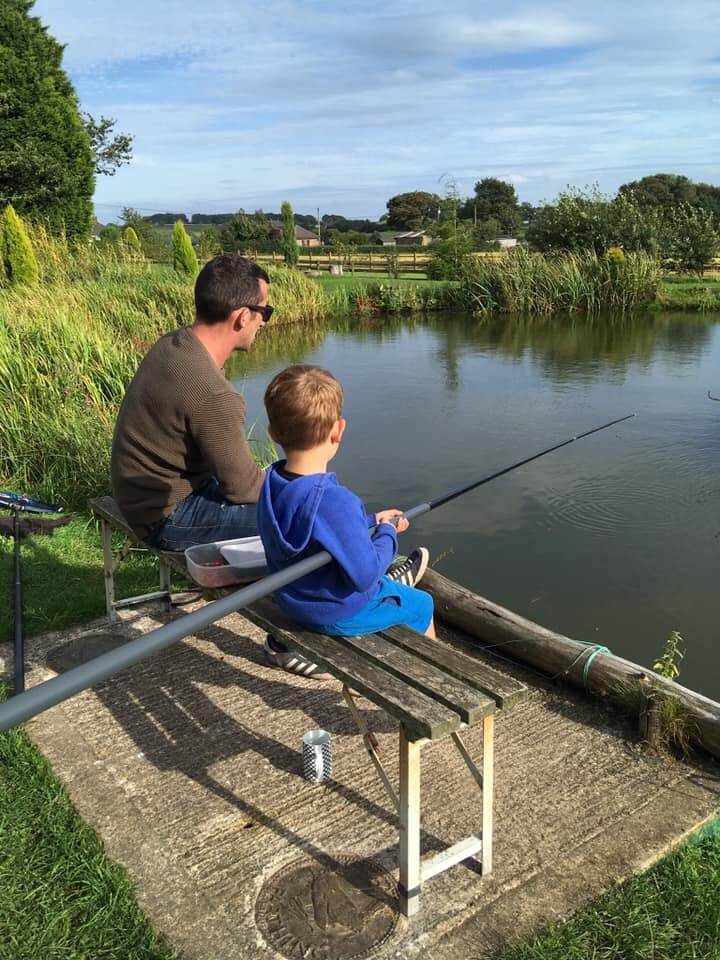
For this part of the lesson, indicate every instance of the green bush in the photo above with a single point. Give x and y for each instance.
(185, 259)
(131, 239)
(21, 267)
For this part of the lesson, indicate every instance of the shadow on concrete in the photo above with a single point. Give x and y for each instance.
(177, 726)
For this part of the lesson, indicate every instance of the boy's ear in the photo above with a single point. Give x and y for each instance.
(338, 430)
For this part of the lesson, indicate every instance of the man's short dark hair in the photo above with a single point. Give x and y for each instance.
(226, 283)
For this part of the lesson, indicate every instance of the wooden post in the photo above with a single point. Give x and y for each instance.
(165, 581)
(409, 825)
(109, 574)
(567, 659)
(488, 789)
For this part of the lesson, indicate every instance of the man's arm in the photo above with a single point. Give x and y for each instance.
(218, 428)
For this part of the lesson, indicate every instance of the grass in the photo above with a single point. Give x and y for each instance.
(684, 293)
(671, 912)
(60, 896)
(535, 284)
(63, 578)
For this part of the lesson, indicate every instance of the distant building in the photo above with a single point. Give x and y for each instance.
(506, 243)
(411, 238)
(305, 238)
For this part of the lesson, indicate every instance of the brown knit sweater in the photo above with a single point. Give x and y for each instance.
(180, 423)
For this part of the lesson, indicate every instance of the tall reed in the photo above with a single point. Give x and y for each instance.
(533, 283)
(70, 346)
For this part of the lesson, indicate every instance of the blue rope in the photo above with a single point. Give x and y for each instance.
(598, 648)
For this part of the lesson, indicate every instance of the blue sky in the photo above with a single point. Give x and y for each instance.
(339, 105)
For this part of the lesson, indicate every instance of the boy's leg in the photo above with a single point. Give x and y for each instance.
(430, 632)
(203, 517)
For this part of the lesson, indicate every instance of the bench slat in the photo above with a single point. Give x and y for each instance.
(420, 715)
(107, 508)
(504, 690)
(465, 700)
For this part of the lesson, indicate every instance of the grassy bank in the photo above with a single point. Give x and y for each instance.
(60, 897)
(68, 349)
(683, 293)
(672, 912)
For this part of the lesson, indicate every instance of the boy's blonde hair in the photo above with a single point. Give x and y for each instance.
(303, 402)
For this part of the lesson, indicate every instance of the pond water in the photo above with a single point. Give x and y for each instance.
(614, 539)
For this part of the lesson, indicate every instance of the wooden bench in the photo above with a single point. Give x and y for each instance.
(432, 690)
(108, 512)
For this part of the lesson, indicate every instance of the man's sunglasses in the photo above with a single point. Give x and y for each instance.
(266, 311)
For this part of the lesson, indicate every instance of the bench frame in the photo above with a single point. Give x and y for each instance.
(106, 511)
(413, 870)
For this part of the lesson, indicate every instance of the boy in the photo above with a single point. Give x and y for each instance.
(302, 509)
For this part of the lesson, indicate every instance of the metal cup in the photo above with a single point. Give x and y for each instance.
(317, 756)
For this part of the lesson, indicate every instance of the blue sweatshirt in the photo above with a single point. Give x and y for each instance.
(298, 518)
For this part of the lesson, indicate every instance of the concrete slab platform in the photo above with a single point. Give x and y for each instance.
(189, 766)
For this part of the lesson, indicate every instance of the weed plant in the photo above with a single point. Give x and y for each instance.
(533, 283)
(69, 347)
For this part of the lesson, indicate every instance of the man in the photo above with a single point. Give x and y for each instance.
(182, 470)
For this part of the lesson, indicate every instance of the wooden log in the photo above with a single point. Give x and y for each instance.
(566, 659)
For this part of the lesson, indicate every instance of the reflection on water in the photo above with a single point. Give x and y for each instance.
(614, 539)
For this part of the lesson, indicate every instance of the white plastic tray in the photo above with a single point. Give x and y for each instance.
(208, 566)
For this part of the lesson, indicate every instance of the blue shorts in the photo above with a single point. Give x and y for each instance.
(394, 604)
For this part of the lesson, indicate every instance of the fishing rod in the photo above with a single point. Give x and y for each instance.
(16, 503)
(45, 695)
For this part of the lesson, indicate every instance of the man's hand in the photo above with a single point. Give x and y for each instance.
(394, 517)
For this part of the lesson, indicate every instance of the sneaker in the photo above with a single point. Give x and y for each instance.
(411, 570)
(278, 655)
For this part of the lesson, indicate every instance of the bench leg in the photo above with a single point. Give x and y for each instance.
(488, 788)
(165, 575)
(109, 573)
(409, 825)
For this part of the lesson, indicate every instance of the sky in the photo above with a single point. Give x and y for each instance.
(339, 106)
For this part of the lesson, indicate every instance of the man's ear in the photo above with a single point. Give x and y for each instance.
(239, 319)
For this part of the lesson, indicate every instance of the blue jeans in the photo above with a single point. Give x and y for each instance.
(203, 517)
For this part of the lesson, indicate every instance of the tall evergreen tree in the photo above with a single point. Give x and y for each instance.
(21, 267)
(46, 162)
(185, 259)
(289, 236)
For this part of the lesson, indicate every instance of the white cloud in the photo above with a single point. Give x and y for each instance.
(315, 102)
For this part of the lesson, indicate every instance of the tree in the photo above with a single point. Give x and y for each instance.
(413, 211)
(185, 259)
(111, 233)
(108, 154)
(693, 238)
(210, 243)
(578, 220)
(248, 233)
(494, 200)
(132, 240)
(21, 267)
(46, 160)
(660, 190)
(289, 236)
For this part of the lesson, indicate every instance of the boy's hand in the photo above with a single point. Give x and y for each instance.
(394, 517)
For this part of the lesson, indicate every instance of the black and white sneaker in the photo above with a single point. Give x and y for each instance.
(411, 570)
(278, 655)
